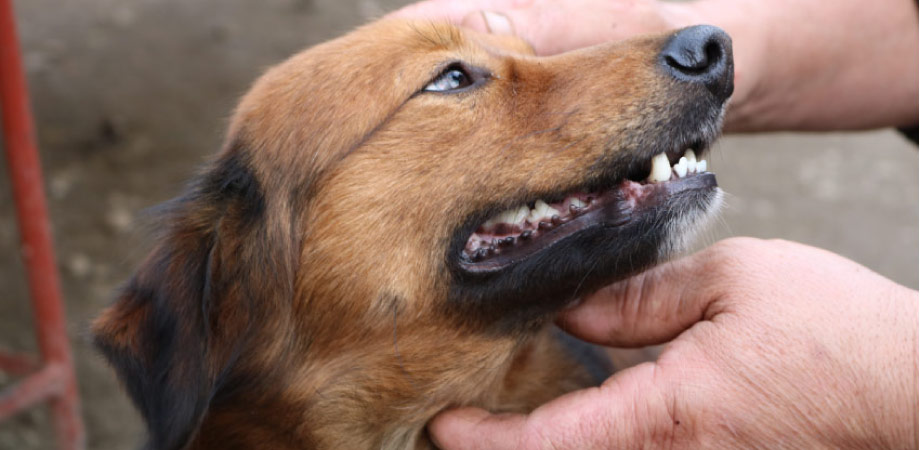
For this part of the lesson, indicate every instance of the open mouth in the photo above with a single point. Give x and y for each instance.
(522, 231)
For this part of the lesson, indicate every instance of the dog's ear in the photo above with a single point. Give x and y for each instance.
(185, 316)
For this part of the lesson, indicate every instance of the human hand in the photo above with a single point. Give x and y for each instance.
(775, 345)
(552, 26)
(799, 64)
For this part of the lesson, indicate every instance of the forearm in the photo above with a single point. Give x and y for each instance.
(817, 65)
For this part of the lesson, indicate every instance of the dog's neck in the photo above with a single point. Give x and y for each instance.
(378, 399)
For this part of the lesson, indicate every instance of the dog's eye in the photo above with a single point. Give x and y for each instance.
(451, 79)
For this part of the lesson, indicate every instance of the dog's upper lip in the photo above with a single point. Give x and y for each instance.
(532, 224)
(614, 207)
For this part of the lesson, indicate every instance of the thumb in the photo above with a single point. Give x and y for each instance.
(474, 428)
(625, 412)
(655, 306)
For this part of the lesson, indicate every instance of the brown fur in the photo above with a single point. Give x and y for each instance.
(297, 297)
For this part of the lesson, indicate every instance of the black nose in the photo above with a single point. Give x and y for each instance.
(701, 54)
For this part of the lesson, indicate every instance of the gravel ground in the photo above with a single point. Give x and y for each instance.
(130, 97)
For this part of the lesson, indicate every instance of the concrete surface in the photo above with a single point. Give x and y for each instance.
(131, 96)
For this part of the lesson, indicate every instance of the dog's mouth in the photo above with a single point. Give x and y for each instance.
(520, 232)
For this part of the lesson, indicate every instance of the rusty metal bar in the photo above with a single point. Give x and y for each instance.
(56, 381)
(17, 364)
(35, 388)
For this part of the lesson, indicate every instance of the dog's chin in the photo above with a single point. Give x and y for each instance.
(611, 234)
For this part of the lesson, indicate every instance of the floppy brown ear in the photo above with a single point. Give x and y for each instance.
(184, 317)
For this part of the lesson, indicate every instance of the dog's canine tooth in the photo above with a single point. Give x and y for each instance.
(691, 160)
(661, 168)
(701, 166)
(682, 166)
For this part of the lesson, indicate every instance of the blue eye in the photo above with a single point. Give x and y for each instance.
(451, 79)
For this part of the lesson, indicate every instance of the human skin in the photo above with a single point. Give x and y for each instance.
(799, 64)
(770, 344)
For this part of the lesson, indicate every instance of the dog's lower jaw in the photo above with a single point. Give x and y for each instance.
(684, 231)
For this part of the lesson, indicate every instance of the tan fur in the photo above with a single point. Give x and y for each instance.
(363, 181)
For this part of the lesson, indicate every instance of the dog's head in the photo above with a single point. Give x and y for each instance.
(395, 211)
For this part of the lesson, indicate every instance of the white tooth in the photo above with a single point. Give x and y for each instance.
(505, 216)
(681, 167)
(537, 212)
(509, 216)
(691, 160)
(661, 168)
(576, 202)
(701, 166)
(540, 210)
(520, 215)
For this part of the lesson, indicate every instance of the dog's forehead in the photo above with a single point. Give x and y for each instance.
(302, 111)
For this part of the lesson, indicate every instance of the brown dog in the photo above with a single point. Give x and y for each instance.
(394, 221)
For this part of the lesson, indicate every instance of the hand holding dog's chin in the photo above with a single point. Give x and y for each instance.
(772, 344)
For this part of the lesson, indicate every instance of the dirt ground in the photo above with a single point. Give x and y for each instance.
(131, 96)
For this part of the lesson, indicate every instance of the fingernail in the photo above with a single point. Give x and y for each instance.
(497, 23)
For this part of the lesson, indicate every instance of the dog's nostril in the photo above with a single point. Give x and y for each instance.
(696, 63)
(701, 54)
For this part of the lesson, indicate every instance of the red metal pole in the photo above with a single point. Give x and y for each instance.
(37, 252)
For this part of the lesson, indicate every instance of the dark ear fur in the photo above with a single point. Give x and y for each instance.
(183, 319)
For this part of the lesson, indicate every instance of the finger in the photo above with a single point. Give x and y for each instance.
(489, 22)
(484, 16)
(450, 11)
(474, 428)
(653, 307)
(622, 413)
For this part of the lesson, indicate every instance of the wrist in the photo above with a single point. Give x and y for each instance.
(816, 65)
(884, 361)
(902, 428)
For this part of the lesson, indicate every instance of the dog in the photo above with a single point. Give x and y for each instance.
(395, 219)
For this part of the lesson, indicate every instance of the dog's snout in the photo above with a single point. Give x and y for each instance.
(701, 54)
